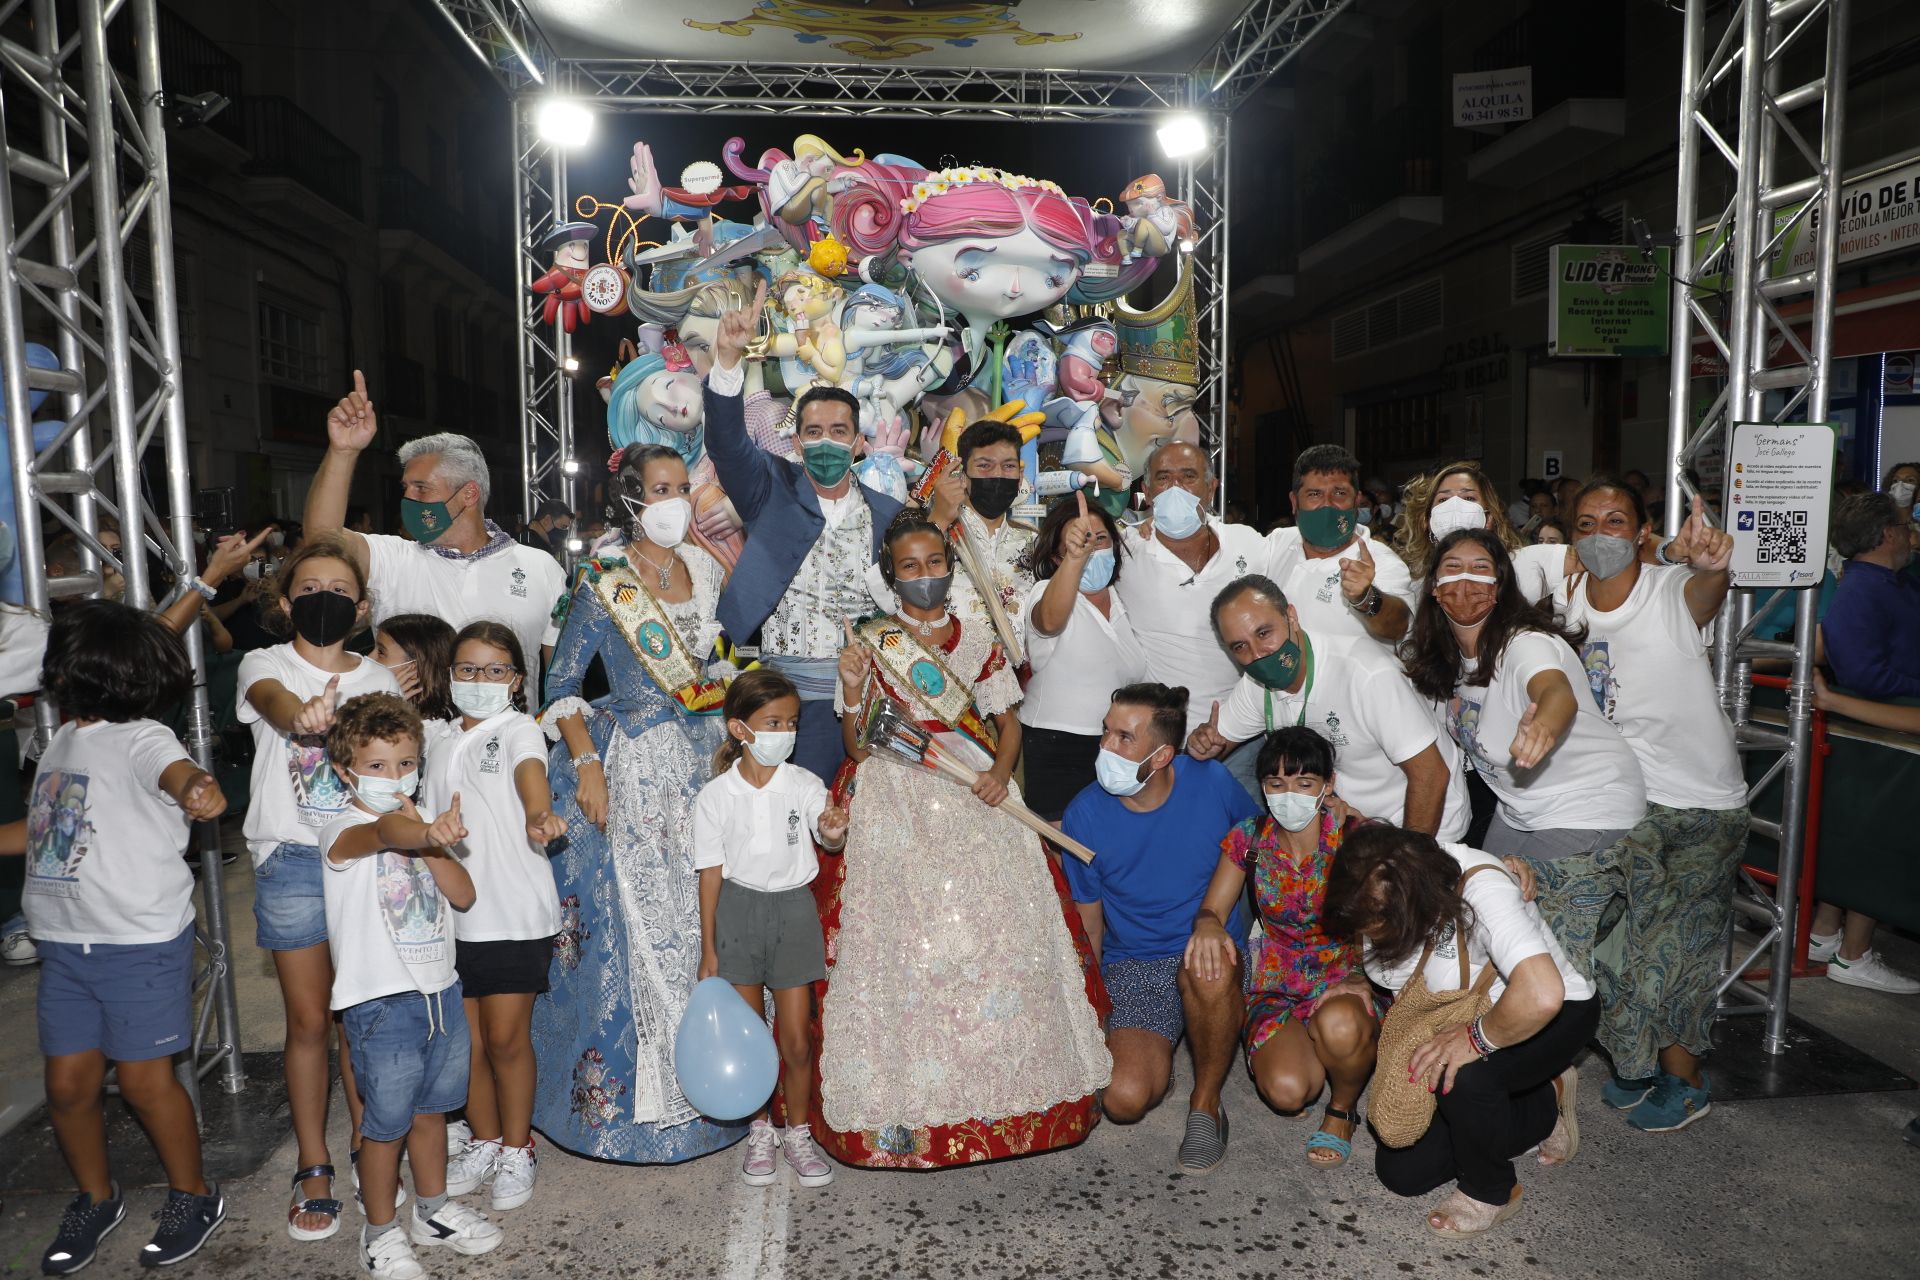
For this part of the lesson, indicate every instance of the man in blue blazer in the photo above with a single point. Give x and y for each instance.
(812, 531)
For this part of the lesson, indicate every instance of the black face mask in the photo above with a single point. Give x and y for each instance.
(324, 617)
(992, 496)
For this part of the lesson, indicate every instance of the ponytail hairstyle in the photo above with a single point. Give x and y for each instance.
(750, 691)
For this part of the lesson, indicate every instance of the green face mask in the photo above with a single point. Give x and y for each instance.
(827, 461)
(425, 522)
(1326, 527)
(1279, 669)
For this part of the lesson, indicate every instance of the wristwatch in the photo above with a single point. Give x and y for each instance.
(1368, 605)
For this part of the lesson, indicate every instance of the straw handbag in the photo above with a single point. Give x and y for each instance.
(1401, 1109)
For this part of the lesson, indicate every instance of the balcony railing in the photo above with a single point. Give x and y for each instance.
(1396, 155)
(190, 62)
(288, 143)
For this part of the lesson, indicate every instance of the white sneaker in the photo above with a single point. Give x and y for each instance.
(390, 1257)
(804, 1158)
(1822, 947)
(513, 1176)
(458, 1228)
(17, 948)
(1871, 972)
(759, 1168)
(470, 1169)
(459, 1134)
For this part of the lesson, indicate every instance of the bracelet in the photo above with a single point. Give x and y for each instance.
(207, 593)
(1478, 1038)
(1368, 605)
(1660, 553)
(586, 757)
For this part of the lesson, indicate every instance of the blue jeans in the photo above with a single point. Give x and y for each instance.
(410, 1057)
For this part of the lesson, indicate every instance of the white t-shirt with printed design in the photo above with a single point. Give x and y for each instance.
(1589, 781)
(1362, 703)
(515, 898)
(388, 926)
(105, 845)
(1646, 668)
(516, 585)
(295, 791)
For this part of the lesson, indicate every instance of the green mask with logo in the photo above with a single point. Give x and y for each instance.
(827, 461)
(1328, 528)
(1279, 669)
(425, 522)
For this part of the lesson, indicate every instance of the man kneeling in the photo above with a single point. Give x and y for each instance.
(1157, 819)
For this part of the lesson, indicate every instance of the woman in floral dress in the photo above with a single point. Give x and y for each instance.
(1311, 1020)
(625, 772)
(960, 1019)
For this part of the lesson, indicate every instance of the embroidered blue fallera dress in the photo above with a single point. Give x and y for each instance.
(628, 949)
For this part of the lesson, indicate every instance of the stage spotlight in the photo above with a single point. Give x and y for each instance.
(565, 123)
(571, 466)
(1183, 135)
(571, 364)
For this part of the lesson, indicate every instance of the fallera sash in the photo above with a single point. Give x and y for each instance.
(663, 654)
(914, 665)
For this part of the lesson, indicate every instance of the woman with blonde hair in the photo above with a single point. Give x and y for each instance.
(1461, 496)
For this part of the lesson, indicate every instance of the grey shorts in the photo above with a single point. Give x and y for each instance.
(770, 940)
(1505, 840)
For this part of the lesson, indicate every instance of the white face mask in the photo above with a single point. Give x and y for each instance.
(481, 699)
(1176, 512)
(1119, 775)
(771, 748)
(1294, 809)
(1901, 491)
(664, 522)
(276, 539)
(383, 795)
(1454, 514)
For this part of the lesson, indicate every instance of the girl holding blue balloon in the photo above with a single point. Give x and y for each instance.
(754, 828)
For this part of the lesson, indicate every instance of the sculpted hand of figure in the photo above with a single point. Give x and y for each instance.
(1533, 740)
(643, 181)
(1435, 1063)
(592, 793)
(545, 827)
(833, 826)
(1205, 742)
(1211, 954)
(316, 713)
(739, 328)
(351, 424)
(204, 801)
(855, 665)
(891, 436)
(1356, 575)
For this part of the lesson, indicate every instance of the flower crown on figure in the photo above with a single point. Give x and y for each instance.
(945, 180)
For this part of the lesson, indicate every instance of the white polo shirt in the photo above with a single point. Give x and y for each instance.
(1360, 701)
(1171, 608)
(514, 896)
(517, 586)
(1313, 585)
(760, 837)
(1076, 672)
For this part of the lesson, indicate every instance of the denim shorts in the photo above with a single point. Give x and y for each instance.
(409, 1058)
(289, 902)
(132, 1002)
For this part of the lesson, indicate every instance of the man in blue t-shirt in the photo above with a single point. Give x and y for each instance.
(1157, 818)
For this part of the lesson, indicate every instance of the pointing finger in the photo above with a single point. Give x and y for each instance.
(1366, 556)
(1213, 720)
(359, 383)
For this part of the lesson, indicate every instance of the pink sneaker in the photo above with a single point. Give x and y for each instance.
(804, 1158)
(758, 1169)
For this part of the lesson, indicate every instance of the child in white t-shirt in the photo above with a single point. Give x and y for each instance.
(287, 694)
(109, 903)
(495, 755)
(392, 884)
(754, 828)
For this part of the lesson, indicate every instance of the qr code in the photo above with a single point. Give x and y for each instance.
(1783, 537)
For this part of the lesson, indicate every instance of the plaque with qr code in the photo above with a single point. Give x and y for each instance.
(1779, 495)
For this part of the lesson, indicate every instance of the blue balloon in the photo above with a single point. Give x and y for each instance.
(724, 1053)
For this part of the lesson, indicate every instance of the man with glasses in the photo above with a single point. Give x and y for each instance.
(1392, 762)
(812, 530)
(455, 564)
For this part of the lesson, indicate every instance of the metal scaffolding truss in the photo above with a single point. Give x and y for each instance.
(1780, 143)
(1265, 36)
(87, 178)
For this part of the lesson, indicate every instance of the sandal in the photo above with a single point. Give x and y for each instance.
(312, 1204)
(1321, 1140)
(1564, 1142)
(1470, 1217)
